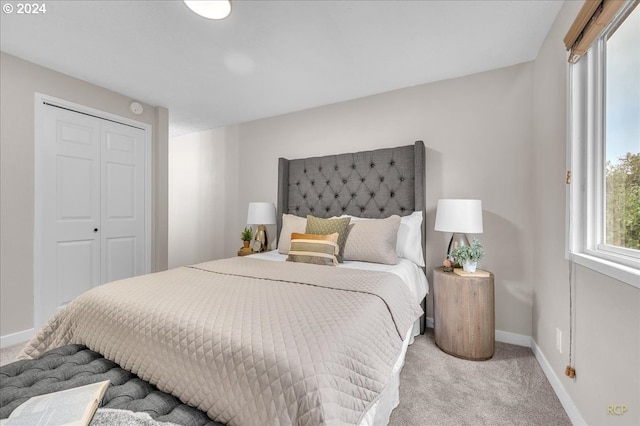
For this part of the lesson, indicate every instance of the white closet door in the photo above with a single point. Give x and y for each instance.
(92, 189)
(70, 242)
(122, 213)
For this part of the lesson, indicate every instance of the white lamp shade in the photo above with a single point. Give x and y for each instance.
(462, 216)
(261, 214)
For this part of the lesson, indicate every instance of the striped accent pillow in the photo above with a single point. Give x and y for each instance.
(313, 248)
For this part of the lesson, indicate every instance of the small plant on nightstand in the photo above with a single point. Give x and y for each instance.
(468, 256)
(247, 234)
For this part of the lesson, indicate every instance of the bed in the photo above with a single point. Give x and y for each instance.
(258, 340)
(365, 184)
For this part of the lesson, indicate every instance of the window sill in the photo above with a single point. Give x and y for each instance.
(626, 274)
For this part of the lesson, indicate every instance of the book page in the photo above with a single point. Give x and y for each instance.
(69, 407)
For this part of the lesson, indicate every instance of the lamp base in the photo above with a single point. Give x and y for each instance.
(457, 240)
(262, 237)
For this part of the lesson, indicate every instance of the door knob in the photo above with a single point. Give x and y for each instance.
(95, 229)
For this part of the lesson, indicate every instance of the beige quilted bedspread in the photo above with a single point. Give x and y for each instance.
(249, 341)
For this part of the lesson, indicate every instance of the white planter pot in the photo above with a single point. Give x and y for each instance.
(469, 266)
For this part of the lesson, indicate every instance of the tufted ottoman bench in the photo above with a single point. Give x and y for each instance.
(75, 365)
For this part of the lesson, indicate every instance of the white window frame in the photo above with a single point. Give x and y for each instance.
(585, 242)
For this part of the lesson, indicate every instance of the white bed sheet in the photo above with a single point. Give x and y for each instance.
(413, 276)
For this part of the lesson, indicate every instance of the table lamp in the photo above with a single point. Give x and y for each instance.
(459, 217)
(261, 214)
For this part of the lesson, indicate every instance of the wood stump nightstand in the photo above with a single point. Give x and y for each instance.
(464, 315)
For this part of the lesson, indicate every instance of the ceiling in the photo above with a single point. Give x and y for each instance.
(273, 57)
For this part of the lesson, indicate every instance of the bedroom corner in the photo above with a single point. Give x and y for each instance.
(20, 80)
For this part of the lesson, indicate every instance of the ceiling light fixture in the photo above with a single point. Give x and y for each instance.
(210, 9)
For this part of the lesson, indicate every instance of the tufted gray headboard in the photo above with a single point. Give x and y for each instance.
(372, 184)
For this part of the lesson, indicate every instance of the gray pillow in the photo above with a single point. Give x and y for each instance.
(373, 240)
(316, 225)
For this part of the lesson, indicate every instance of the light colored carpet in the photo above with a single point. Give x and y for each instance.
(439, 389)
(9, 354)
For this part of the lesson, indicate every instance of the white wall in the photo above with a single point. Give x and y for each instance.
(607, 312)
(202, 170)
(19, 80)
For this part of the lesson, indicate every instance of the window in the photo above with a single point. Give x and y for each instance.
(604, 151)
(622, 135)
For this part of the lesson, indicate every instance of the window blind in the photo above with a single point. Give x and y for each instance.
(592, 19)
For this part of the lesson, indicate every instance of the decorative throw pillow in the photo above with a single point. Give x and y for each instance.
(409, 245)
(373, 240)
(316, 225)
(290, 224)
(312, 248)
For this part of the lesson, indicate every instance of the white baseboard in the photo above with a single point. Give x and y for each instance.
(19, 337)
(556, 384)
(502, 336)
(513, 338)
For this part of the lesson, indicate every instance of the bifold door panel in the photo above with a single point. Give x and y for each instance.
(92, 196)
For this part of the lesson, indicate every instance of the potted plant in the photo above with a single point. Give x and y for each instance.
(247, 234)
(468, 256)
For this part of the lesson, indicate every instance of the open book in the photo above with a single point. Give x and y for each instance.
(74, 406)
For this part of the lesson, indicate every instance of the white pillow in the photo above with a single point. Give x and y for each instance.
(290, 224)
(409, 243)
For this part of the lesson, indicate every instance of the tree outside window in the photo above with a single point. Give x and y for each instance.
(622, 136)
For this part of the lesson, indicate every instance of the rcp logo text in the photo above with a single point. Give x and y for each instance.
(617, 409)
